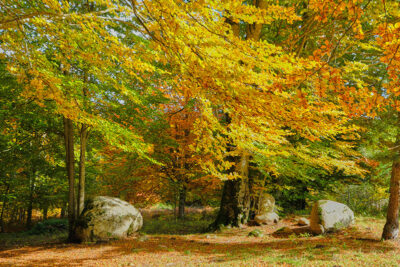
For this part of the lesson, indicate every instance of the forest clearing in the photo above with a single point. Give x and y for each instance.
(357, 246)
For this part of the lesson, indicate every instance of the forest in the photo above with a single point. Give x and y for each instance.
(199, 132)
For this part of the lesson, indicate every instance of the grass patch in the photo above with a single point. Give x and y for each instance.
(167, 224)
(49, 231)
(49, 227)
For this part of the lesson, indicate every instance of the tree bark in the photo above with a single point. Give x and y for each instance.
(29, 215)
(62, 213)
(391, 228)
(21, 215)
(3, 207)
(82, 168)
(32, 181)
(45, 212)
(235, 202)
(182, 202)
(69, 160)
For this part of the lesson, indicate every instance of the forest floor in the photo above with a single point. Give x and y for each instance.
(163, 241)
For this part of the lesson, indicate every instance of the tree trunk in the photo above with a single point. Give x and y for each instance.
(82, 168)
(182, 202)
(3, 207)
(45, 211)
(32, 181)
(29, 216)
(14, 213)
(62, 213)
(391, 228)
(21, 215)
(69, 162)
(235, 203)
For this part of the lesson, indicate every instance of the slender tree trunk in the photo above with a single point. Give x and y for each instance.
(175, 200)
(16, 214)
(3, 207)
(29, 216)
(391, 228)
(82, 168)
(21, 215)
(45, 211)
(32, 181)
(69, 160)
(62, 213)
(182, 202)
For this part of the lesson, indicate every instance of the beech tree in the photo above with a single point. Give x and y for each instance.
(272, 80)
(66, 52)
(244, 84)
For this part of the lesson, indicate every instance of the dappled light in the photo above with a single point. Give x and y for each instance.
(199, 133)
(360, 244)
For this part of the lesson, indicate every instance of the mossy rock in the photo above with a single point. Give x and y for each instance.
(256, 233)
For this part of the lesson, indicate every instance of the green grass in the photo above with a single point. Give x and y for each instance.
(49, 231)
(168, 224)
(28, 239)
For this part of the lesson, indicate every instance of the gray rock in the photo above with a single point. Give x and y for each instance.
(265, 211)
(303, 221)
(105, 218)
(330, 216)
(267, 218)
(266, 204)
(256, 233)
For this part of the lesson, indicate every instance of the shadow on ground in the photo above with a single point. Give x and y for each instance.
(230, 246)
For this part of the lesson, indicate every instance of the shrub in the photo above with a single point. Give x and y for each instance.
(49, 227)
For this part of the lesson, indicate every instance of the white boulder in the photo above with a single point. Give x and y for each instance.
(266, 203)
(267, 218)
(330, 216)
(105, 218)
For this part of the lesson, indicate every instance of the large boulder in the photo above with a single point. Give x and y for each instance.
(105, 218)
(265, 210)
(266, 204)
(330, 216)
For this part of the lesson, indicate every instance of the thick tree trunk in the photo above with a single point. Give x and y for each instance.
(235, 203)
(391, 228)
(82, 168)
(182, 202)
(69, 160)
